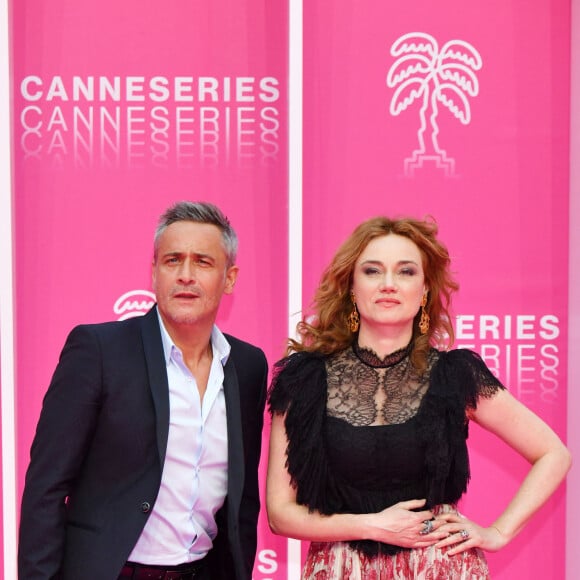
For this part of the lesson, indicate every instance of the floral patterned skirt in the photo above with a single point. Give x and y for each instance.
(339, 561)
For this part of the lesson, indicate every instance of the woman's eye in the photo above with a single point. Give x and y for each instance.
(371, 271)
(408, 272)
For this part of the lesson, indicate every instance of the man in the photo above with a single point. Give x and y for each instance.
(145, 459)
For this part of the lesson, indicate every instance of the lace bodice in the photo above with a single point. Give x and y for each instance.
(365, 390)
(365, 433)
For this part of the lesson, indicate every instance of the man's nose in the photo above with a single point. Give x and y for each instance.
(187, 272)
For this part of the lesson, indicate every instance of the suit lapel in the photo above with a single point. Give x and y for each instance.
(235, 436)
(157, 372)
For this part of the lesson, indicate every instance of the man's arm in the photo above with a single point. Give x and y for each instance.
(64, 431)
(250, 506)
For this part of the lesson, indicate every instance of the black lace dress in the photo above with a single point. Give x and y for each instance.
(365, 433)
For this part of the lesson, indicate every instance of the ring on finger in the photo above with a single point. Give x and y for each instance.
(427, 527)
(464, 534)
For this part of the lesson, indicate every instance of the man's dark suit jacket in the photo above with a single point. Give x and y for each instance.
(99, 449)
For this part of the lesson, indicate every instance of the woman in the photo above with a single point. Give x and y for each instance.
(368, 454)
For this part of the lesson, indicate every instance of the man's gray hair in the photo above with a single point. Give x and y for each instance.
(203, 213)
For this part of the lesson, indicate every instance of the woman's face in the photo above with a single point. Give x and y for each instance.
(389, 283)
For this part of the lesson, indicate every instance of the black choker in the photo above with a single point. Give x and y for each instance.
(371, 358)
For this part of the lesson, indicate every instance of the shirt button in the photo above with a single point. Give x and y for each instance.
(145, 507)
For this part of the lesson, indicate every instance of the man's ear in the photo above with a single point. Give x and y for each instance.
(231, 277)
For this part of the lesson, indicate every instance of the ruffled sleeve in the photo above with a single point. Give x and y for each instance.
(466, 371)
(298, 389)
(458, 379)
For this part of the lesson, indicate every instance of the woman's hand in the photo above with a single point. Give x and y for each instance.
(463, 534)
(399, 525)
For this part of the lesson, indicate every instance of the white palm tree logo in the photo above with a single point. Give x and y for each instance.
(434, 76)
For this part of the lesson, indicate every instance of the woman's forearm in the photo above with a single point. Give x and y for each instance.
(542, 480)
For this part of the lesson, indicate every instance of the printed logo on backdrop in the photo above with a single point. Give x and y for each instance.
(267, 565)
(133, 303)
(137, 121)
(522, 350)
(438, 80)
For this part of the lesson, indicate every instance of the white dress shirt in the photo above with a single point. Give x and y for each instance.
(181, 526)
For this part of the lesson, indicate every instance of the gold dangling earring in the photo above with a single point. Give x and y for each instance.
(353, 317)
(424, 321)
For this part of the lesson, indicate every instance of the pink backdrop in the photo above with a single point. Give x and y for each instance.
(121, 109)
(495, 178)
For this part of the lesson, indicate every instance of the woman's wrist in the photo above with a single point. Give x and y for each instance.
(505, 538)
